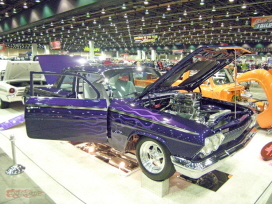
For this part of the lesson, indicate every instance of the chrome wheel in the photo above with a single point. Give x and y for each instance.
(152, 157)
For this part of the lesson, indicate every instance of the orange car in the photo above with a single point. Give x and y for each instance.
(220, 86)
(264, 78)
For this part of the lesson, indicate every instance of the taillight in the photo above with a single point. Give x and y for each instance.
(11, 90)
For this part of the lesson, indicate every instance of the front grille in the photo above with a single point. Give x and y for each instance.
(233, 134)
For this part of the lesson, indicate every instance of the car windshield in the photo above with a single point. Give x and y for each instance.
(127, 83)
(223, 77)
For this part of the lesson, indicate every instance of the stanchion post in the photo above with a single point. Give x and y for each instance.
(15, 168)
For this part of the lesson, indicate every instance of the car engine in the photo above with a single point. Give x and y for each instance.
(189, 106)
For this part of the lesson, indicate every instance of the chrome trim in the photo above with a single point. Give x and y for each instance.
(30, 106)
(198, 169)
(153, 121)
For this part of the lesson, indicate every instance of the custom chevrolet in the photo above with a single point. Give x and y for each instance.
(168, 130)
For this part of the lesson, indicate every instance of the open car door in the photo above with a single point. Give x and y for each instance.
(71, 111)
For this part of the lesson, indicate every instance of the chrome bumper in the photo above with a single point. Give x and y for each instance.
(13, 98)
(198, 169)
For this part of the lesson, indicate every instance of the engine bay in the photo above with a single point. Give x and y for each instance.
(193, 107)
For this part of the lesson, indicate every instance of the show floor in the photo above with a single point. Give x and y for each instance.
(66, 174)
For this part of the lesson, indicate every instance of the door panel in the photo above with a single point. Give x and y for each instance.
(77, 120)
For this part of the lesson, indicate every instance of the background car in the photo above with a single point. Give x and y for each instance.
(264, 78)
(16, 76)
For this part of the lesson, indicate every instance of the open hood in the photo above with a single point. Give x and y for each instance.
(20, 71)
(205, 60)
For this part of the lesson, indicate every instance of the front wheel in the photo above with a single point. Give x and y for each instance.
(4, 104)
(154, 159)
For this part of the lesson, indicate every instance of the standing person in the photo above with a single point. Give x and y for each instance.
(160, 65)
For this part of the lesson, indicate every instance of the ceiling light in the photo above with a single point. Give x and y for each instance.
(88, 15)
(103, 11)
(142, 18)
(202, 2)
(231, 0)
(244, 6)
(159, 22)
(94, 22)
(168, 8)
(37, 1)
(25, 5)
(211, 20)
(255, 12)
(213, 9)
(227, 14)
(125, 16)
(146, 12)
(14, 10)
(237, 18)
(51, 24)
(163, 15)
(145, 2)
(192, 22)
(124, 6)
(6, 14)
(185, 13)
(2, 2)
(200, 17)
(179, 20)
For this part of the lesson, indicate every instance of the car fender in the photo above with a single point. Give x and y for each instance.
(145, 134)
(264, 78)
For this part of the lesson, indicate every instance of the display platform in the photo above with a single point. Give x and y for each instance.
(69, 175)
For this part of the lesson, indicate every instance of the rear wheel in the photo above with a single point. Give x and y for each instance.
(4, 104)
(154, 159)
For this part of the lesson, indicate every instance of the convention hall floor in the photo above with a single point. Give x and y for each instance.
(60, 173)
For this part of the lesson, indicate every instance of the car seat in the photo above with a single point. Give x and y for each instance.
(124, 89)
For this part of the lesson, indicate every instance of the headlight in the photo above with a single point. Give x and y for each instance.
(212, 143)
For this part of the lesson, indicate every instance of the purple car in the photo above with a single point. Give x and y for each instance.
(135, 109)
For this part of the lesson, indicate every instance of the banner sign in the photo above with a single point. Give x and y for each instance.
(177, 52)
(55, 45)
(145, 38)
(97, 51)
(261, 22)
(2, 47)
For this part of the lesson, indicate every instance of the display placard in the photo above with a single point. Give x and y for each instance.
(267, 152)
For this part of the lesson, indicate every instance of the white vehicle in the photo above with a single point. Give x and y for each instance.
(16, 76)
